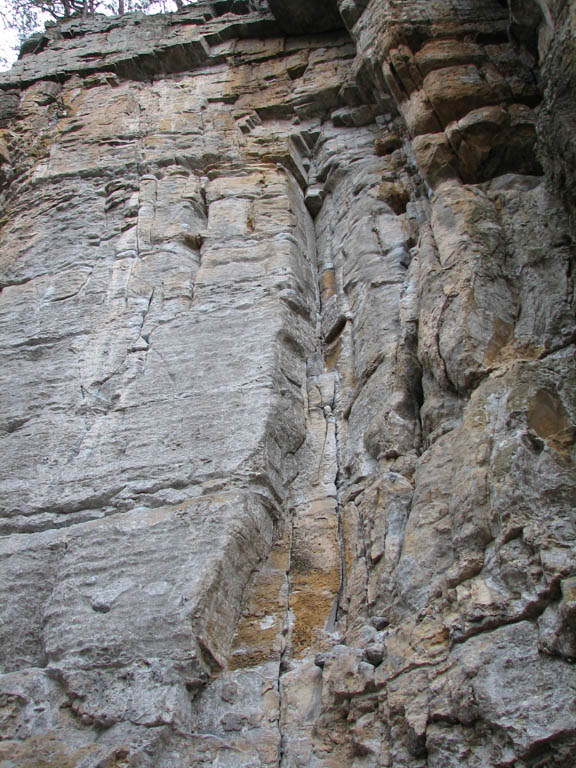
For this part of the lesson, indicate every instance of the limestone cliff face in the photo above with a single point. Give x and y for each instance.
(288, 388)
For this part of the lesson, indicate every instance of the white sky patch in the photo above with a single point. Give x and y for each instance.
(8, 48)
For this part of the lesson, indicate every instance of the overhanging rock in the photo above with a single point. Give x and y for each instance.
(303, 16)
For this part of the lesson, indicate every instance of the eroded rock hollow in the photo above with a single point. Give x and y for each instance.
(288, 388)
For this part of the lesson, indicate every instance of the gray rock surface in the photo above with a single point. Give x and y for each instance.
(288, 379)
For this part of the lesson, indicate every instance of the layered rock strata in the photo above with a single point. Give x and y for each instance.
(287, 333)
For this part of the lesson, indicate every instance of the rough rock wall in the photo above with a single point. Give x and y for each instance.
(287, 332)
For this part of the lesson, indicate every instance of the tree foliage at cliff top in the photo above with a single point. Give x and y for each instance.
(28, 16)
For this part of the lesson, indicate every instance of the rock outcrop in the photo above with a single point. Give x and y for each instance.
(289, 391)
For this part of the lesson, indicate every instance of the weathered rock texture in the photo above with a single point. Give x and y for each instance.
(289, 395)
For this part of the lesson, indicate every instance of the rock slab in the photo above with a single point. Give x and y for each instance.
(288, 379)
